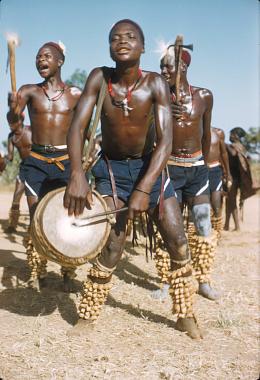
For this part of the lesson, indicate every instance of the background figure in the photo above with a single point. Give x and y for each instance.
(241, 174)
(20, 138)
(218, 165)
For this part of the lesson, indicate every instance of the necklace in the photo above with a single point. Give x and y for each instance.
(123, 103)
(55, 97)
(191, 92)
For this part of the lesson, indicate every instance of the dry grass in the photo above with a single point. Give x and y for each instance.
(135, 336)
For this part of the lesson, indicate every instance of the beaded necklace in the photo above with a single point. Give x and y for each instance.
(123, 103)
(55, 97)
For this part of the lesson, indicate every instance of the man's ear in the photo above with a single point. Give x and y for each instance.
(60, 62)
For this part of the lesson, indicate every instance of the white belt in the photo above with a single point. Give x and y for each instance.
(214, 165)
(186, 164)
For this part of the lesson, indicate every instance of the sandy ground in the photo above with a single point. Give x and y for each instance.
(135, 336)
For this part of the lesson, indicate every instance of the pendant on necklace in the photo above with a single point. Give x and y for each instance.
(125, 107)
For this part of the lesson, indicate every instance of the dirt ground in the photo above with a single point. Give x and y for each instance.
(135, 336)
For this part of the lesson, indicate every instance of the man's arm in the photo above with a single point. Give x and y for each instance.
(163, 124)
(17, 102)
(206, 137)
(224, 155)
(10, 150)
(78, 194)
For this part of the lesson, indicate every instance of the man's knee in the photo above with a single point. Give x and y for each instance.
(201, 218)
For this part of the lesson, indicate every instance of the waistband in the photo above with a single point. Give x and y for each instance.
(126, 159)
(49, 148)
(188, 155)
(187, 160)
(214, 164)
(51, 160)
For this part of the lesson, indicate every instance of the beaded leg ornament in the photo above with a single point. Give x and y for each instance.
(95, 291)
(162, 261)
(37, 264)
(182, 290)
(217, 225)
(203, 257)
(192, 237)
(14, 214)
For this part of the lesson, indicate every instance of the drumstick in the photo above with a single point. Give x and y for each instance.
(106, 213)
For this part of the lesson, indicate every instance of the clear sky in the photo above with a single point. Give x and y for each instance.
(225, 34)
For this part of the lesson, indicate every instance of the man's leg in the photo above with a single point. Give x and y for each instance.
(231, 207)
(180, 279)
(98, 284)
(203, 249)
(216, 218)
(37, 264)
(14, 212)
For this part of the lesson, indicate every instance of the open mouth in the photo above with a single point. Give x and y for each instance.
(43, 68)
(122, 51)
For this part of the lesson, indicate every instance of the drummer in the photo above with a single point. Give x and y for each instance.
(129, 169)
(51, 105)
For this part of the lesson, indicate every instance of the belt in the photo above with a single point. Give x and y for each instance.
(186, 164)
(49, 148)
(51, 160)
(214, 164)
(189, 155)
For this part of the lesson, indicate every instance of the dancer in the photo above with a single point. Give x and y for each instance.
(51, 105)
(129, 171)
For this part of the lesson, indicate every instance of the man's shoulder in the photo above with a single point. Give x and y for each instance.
(74, 91)
(28, 88)
(201, 90)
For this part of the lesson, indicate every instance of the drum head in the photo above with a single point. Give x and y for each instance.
(67, 240)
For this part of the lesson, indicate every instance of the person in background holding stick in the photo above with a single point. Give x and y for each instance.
(51, 105)
(192, 108)
(129, 171)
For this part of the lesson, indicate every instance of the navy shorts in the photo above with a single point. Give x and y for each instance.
(127, 175)
(215, 179)
(189, 182)
(41, 177)
(21, 175)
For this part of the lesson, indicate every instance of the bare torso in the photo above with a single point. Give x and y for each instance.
(134, 135)
(214, 152)
(187, 133)
(49, 119)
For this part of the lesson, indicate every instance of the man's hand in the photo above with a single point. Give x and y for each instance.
(138, 203)
(178, 110)
(13, 102)
(77, 195)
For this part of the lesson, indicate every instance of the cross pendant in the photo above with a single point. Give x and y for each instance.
(125, 107)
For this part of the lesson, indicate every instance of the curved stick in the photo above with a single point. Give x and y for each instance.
(178, 53)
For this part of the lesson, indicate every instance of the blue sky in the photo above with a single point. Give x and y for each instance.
(224, 34)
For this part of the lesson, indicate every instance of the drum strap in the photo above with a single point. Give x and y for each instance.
(113, 182)
(51, 160)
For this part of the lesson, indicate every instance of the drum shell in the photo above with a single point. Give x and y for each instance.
(48, 250)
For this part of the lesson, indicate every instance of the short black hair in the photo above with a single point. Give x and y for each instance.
(240, 132)
(128, 21)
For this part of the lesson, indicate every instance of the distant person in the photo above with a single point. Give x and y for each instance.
(20, 138)
(241, 175)
(218, 165)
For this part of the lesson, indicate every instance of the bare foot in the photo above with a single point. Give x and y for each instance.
(190, 326)
(81, 327)
(206, 291)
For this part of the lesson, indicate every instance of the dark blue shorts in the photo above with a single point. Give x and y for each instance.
(189, 182)
(215, 179)
(21, 175)
(41, 177)
(127, 174)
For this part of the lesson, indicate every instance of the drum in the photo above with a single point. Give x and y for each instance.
(67, 240)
